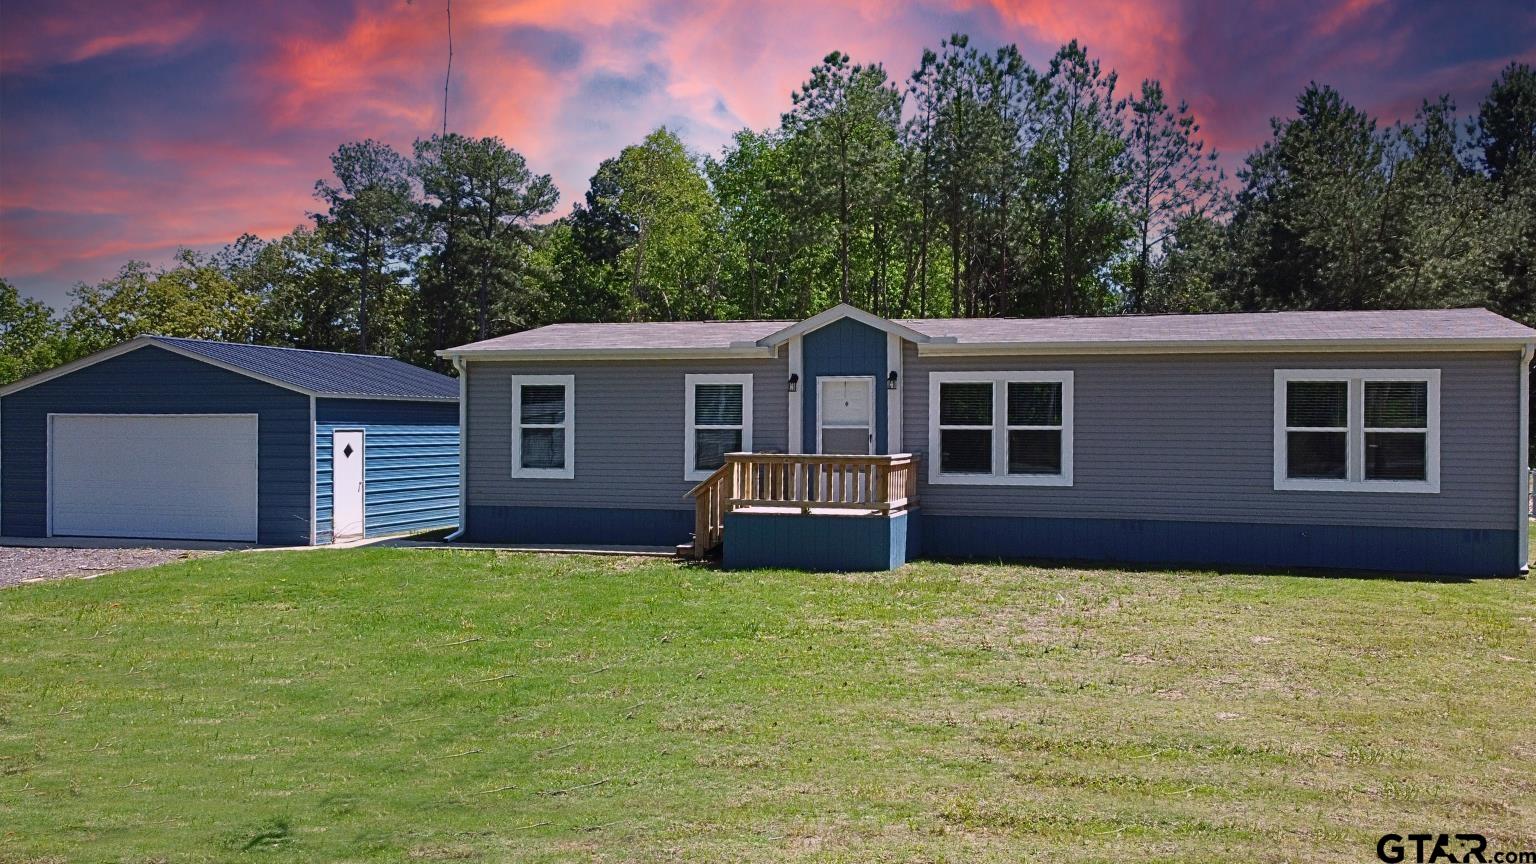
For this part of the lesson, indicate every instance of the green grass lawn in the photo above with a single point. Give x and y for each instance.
(414, 705)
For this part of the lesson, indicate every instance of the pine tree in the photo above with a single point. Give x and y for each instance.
(1170, 177)
(370, 222)
(1078, 174)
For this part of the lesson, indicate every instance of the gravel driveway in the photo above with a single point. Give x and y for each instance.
(19, 564)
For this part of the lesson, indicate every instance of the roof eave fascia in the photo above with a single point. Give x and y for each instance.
(1236, 346)
(735, 352)
(369, 398)
(118, 350)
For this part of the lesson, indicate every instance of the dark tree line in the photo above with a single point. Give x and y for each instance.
(977, 185)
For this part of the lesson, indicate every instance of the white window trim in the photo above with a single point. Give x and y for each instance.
(1355, 431)
(999, 428)
(689, 383)
(569, 383)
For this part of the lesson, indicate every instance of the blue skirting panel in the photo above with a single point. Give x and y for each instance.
(584, 525)
(800, 542)
(410, 464)
(1448, 552)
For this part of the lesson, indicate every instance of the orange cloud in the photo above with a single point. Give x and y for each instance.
(324, 82)
(75, 30)
(157, 35)
(1343, 15)
(1139, 40)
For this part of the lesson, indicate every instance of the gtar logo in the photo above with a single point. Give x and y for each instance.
(1432, 848)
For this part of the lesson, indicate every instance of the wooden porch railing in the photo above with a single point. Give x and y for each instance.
(805, 482)
(711, 501)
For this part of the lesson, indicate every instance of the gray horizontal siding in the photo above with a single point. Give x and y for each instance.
(629, 430)
(1190, 438)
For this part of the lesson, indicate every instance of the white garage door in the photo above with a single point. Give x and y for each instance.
(172, 476)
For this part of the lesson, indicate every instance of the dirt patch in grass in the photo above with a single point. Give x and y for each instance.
(21, 565)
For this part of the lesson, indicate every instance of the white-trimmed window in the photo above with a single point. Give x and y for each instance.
(718, 420)
(1375, 430)
(1000, 428)
(544, 426)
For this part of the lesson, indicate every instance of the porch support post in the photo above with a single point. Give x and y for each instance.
(797, 396)
(893, 437)
(1522, 538)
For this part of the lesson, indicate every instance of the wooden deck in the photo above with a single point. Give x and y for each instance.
(771, 510)
(806, 484)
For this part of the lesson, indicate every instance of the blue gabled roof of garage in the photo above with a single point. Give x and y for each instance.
(317, 373)
(325, 373)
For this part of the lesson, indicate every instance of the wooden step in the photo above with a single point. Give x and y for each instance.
(685, 551)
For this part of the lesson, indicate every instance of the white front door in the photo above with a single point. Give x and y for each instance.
(845, 415)
(347, 521)
(166, 476)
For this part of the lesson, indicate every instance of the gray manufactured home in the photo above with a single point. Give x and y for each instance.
(1387, 440)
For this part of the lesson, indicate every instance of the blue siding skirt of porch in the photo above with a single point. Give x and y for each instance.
(815, 542)
(578, 525)
(1442, 552)
(411, 464)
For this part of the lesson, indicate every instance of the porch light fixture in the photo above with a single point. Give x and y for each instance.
(794, 381)
(890, 380)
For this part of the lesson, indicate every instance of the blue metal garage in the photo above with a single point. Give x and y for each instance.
(187, 439)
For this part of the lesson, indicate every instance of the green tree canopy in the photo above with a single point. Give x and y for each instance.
(842, 139)
(672, 265)
(1170, 178)
(193, 298)
(31, 340)
(370, 225)
(1078, 174)
(481, 200)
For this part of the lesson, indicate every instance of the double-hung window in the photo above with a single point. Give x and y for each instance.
(718, 412)
(544, 421)
(1357, 429)
(1000, 428)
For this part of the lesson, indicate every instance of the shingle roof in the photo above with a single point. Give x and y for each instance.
(1405, 324)
(1412, 325)
(324, 373)
(660, 335)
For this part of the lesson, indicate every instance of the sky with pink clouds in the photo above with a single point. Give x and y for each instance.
(131, 127)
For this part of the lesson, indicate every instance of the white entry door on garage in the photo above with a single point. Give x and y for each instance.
(166, 476)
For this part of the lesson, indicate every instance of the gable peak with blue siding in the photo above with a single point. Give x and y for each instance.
(845, 346)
